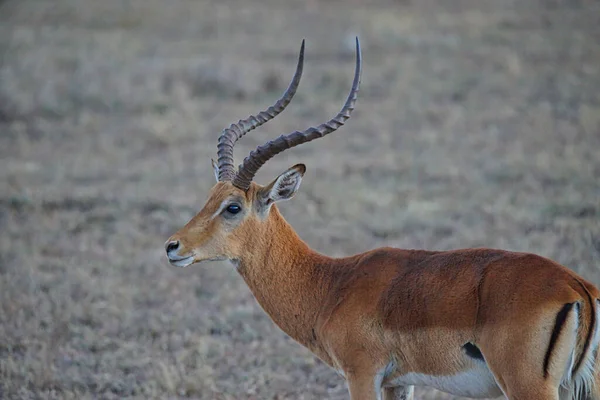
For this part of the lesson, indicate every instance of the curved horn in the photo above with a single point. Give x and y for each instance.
(263, 153)
(232, 134)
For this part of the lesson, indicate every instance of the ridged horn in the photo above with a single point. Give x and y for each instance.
(232, 134)
(262, 154)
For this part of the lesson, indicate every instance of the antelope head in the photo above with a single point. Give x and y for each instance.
(238, 211)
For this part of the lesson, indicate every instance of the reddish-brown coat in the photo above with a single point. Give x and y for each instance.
(410, 307)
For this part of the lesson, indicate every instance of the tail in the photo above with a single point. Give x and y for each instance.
(582, 381)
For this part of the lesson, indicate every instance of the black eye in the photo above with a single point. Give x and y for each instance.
(233, 208)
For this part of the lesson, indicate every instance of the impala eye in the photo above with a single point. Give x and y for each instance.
(233, 208)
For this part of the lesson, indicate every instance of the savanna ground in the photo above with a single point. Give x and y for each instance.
(478, 124)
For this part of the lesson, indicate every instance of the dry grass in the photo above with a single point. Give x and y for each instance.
(478, 125)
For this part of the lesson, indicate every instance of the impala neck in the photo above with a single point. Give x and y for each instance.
(286, 276)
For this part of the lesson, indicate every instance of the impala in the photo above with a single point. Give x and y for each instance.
(471, 322)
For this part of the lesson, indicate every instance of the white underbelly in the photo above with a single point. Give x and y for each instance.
(475, 383)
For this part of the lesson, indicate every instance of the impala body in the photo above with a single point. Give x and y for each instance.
(472, 322)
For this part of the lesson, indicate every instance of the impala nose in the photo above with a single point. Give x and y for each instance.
(172, 246)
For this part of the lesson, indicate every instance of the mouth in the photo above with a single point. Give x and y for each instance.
(181, 262)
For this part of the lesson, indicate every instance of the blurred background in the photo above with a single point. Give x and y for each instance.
(477, 124)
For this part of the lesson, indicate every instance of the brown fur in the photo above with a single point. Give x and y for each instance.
(413, 308)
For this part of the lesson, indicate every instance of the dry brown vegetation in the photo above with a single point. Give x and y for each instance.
(478, 124)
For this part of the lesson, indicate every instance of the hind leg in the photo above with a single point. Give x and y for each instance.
(398, 393)
(540, 393)
(531, 358)
(520, 374)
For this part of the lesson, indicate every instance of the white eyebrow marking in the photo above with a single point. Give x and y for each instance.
(224, 204)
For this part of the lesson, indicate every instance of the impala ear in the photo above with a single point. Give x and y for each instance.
(284, 187)
(215, 169)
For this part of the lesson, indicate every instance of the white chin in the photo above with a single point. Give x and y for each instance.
(182, 263)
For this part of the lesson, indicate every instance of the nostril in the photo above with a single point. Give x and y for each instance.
(172, 246)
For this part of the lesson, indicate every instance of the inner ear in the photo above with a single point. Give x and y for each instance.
(284, 187)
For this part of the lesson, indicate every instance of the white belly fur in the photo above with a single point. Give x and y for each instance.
(475, 383)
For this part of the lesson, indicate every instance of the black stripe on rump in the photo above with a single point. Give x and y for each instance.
(591, 329)
(561, 317)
